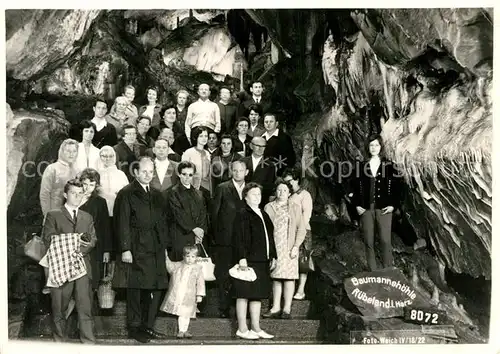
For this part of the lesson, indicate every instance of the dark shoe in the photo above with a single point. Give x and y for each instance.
(270, 314)
(154, 334)
(286, 316)
(138, 335)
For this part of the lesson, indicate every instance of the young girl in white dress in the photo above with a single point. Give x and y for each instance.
(186, 289)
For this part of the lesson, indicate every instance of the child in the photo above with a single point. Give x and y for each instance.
(70, 276)
(186, 289)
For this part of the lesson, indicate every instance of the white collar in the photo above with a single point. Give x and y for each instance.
(70, 209)
(160, 162)
(267, 136)
(237, 185)
(255, 98)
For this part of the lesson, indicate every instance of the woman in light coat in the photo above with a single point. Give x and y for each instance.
(88, 154)
(289, 233)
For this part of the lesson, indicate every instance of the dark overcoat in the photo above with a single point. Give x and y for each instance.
(96, 206)
(187, 212)
(225, 205)
(141, 227)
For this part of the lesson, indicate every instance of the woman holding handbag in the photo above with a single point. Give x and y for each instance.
(289, 233)
(304, 200)
(253, 246)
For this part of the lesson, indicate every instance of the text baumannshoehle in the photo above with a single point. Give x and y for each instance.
(388, 303)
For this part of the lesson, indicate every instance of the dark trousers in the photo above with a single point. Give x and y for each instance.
(223, 262)
(142, 309)
(370, 219)
(81, 290)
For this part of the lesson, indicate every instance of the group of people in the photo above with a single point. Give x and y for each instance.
(151, 187)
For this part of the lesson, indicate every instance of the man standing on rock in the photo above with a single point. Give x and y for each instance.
(141, 225)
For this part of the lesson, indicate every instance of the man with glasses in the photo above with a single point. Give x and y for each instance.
(188, 222)
(260, 169)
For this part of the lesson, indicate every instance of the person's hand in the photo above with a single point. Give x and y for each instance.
(105, 257)
(294, 252)
(272, 265)
(360, 210)
(198, 239)
(243, 264)
(199, 299)
(198, 232)
(127, 257)
(387, 209)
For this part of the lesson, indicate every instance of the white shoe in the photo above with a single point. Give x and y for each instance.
(247, 335)
(262, 334)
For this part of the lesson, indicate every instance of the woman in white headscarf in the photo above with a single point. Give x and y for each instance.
(112, 179)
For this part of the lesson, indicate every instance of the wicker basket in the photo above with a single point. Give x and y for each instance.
(105, 292)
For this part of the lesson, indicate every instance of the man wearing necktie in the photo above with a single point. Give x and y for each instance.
(256, 89)
(140, 215)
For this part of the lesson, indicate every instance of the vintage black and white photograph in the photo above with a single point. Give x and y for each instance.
(249, 176)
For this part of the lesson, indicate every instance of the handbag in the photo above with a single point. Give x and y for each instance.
(245, 275)
(105, 292)
(207, 265)
(306, 263)
(35, 248)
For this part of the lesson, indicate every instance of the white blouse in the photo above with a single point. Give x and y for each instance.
(83, 160)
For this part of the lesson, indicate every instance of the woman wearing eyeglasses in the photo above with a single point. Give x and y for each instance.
(188, 213)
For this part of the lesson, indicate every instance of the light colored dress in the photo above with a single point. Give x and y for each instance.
(286, 267)
(186, 283)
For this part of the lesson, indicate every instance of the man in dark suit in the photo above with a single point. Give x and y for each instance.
(260, 169)
(256, 89)
(279, 149)
(69, 219)
(165, 172)
(127, 151)
(227, 201)
(141, 225)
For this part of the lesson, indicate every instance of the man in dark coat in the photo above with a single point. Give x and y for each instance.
(256, 89)
(227, 201)
(260, 169)
(141, 226)
(188, 211)
(127, 151)
(279, 148)
(228, 111)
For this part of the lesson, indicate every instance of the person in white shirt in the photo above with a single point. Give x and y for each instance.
(203, 112)
(88, 154)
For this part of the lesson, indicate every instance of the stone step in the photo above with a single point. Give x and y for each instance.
(120, 340)
(303, 309)
(225, 328)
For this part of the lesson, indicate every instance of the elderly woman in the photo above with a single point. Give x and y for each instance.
(112, 180)
(201, 159)
(222, 159)
(253, 246)
(302, 198)
(241, 140)
(181, 97)
(56, 175)
(88, 154)
(153, 108)
(289, 233)
(376, 192)
(96, 206)
(118, 115)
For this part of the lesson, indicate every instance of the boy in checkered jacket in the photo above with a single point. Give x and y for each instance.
(69, 235)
